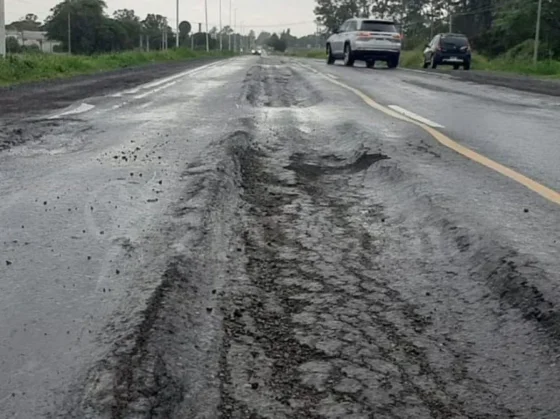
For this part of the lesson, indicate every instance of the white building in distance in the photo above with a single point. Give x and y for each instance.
(30, 38)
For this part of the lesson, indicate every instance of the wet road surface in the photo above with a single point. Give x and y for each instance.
(247, 239)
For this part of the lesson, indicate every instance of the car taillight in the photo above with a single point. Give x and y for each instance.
(397, 36)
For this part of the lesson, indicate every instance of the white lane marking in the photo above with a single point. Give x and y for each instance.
(84, 107)
(149, 92)
(120, 105)
(416, 117)
(332, 76)
(307, 67)
(427, 73)
(177, 76)
(159, 82)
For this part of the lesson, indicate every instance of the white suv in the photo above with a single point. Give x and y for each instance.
(365, 40)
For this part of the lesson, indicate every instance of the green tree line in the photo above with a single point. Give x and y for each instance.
(494, 27)
(286, 40)
(93, 31)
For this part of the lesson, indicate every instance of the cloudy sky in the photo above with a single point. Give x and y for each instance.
(269, 15)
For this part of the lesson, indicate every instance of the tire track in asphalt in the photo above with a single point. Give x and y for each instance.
(359, 296)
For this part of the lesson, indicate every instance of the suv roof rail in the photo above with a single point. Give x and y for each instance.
(371, 19)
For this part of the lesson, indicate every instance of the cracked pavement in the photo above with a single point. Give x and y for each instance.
(255, 242)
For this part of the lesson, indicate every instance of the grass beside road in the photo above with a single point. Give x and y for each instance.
(34, 67)
(308, 53)
(413, 59)
(544, 68)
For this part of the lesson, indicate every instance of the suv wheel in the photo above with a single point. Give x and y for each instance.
(348, 56)
(425, 64)
(467, 65)
(393, 62)
(330, 57)
(370, 64)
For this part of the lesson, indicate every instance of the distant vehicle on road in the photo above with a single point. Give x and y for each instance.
(256, 51)
(448, 49)
(365, 40)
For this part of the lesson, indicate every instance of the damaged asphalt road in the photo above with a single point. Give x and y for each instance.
(252, 241)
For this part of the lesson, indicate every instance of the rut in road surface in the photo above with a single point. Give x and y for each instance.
(361, 297)
(311, 273)
(316, 329)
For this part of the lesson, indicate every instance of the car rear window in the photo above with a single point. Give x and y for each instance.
(373, 26)
(454, 41)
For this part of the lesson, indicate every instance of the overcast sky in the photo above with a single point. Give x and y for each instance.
(269, 15)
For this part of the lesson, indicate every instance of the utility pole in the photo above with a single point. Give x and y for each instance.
(234, 31)
(2, 30)
(403, 17)
(450, 23)
(230, 28)
(537, 34)
(221, 41)
(69, 33)
(206, 17)
(431, 19)
(177, 22)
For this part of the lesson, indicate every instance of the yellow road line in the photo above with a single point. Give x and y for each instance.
(443, 139)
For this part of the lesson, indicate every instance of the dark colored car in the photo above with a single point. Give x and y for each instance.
(448, 49)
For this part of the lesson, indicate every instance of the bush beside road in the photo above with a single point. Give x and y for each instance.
(35, 67)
